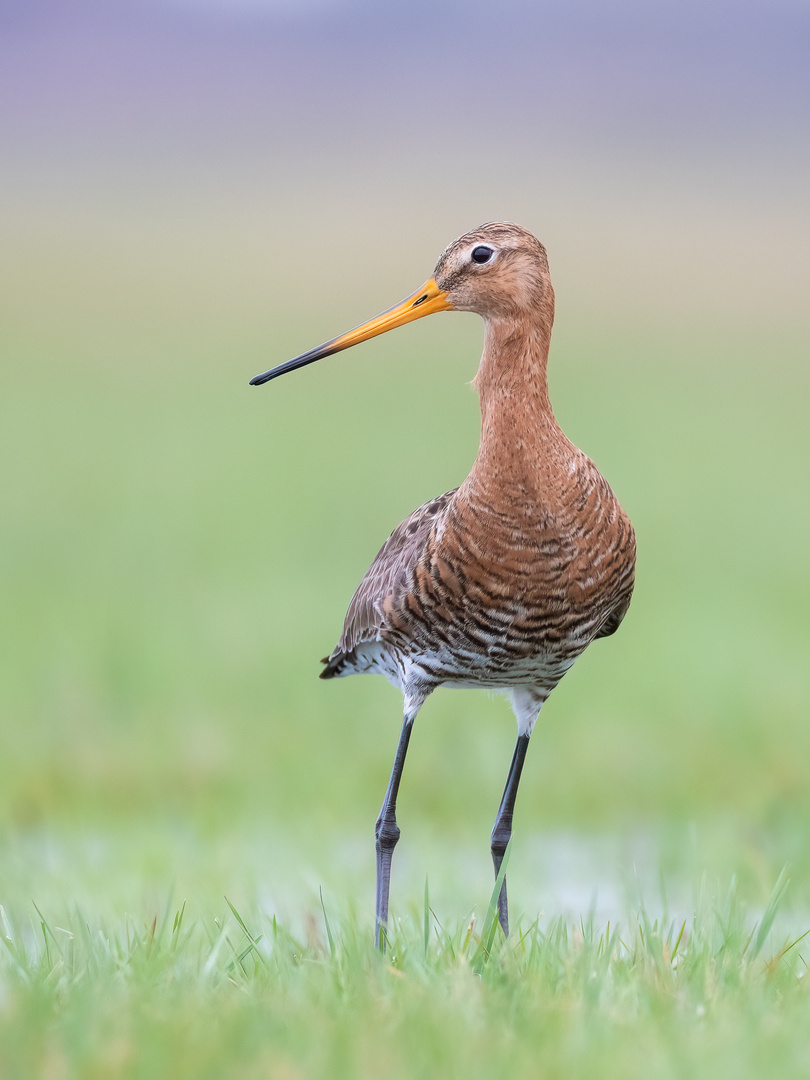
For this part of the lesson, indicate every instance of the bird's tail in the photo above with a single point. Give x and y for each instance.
(334, 666)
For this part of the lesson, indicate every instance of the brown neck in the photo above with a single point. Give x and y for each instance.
(518, 430)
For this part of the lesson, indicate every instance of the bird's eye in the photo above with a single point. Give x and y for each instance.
(482, 254)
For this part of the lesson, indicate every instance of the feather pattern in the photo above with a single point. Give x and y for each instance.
(390, 571)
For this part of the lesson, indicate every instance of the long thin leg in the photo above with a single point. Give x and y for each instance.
(387, 833)
(502, 829)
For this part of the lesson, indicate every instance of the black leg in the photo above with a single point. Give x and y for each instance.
(502, 829)
(387, 833)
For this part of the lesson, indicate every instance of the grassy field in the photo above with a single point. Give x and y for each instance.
(228, 997)
(178, 551)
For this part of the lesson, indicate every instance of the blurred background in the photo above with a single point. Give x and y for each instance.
(195, 190)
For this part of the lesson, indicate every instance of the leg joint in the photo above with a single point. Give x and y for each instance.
(501, 835)
(387, 833)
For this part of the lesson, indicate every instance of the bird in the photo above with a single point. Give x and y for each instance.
(502, 582)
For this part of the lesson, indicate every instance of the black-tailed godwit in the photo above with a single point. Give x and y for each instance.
(504, 581)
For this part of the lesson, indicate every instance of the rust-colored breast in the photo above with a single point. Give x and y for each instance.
(500, 590)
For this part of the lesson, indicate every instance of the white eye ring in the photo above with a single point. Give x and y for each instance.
(481, 253)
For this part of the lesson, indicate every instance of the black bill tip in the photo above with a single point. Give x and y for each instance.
(257, 380)
(299, 361)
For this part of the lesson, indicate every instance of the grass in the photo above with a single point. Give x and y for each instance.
(238, 994)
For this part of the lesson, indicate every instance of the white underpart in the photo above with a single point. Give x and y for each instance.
(527, 701)
(406, 675)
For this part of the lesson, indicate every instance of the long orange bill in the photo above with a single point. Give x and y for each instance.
(428, 299)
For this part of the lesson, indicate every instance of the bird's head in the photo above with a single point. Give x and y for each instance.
(499, 271)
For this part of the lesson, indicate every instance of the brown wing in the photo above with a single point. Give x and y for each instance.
(391, 568)
(614, 620)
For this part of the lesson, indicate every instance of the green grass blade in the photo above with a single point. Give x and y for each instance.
(426, 923)
(491, 919)
(329, 937)
(253, 942)
(775, 899)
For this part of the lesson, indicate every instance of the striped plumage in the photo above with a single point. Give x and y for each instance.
(504, 581)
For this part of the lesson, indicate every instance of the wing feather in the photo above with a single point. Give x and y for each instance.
(390, 570)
